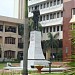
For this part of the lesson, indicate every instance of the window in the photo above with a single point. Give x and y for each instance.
(47, 4)
(41, 6)
(20, 43)
(10, 29)
(20, 40)
(9, 54)
(1, 27)
(40, 18)
(9, 40)
(53, 28)
(51, 16)
(57, 14)
(58, 2)
(54, 15)
(38, 7)
(73, 11)
(61, 1)
(29, 9)
(43, 29)
(44, 5)
(43, 17)
(50, 29)
(61, 14)
(50, 3)
(47, 16)
(54, 2)
(32, 8)
(61, 28)
(47, 29)
(57, 28)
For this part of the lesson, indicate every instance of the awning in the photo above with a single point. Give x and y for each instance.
(72, 19)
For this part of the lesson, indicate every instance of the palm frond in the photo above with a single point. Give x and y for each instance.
(56, 35)
(52, 40)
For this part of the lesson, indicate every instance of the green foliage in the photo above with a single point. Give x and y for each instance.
(73, 41)
(73, 33)
(73, 26)
(11, 72)
(26, 9)
(53, 42)
(59, 55)
(72, 63)
(31, 25)
(19, 73)
(69, 73)
(48, 74)
(21, 29)
(2, 65)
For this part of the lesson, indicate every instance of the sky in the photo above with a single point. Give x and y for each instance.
(6, 8)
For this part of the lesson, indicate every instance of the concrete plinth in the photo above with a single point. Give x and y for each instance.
(35, 53)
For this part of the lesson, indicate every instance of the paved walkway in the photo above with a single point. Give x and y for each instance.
(59, 64)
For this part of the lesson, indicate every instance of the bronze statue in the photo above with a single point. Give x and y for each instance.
(36, 14)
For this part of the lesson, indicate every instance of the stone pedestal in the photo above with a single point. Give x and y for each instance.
(35, 54)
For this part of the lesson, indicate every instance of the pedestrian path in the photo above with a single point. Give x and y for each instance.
(59, 64)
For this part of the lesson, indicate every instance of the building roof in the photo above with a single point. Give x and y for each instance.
(10, 19)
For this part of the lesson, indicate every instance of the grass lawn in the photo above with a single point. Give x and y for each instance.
(32, 74)
(47, 74)
(2, 65)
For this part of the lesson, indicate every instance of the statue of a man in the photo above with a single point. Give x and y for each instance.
(36, 14)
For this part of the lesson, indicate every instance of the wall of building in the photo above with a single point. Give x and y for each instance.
(67, 14)
(8, 45)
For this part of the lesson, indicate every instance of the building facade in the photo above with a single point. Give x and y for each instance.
(11, 44)
(10, 40)
(55, 16)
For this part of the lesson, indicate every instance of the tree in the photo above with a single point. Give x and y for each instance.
(52, 42)
(21, 29)
(31, 25)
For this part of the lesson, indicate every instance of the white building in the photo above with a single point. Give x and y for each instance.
(51, 16)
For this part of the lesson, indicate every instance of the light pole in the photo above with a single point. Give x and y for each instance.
(25, 46)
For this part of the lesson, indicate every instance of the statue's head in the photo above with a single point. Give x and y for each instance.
(35, 7)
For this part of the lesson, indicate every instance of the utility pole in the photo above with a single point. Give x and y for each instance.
(25, 46)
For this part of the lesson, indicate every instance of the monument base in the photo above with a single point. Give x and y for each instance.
(35, 53)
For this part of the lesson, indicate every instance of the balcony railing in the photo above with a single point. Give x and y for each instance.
(56, 21)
